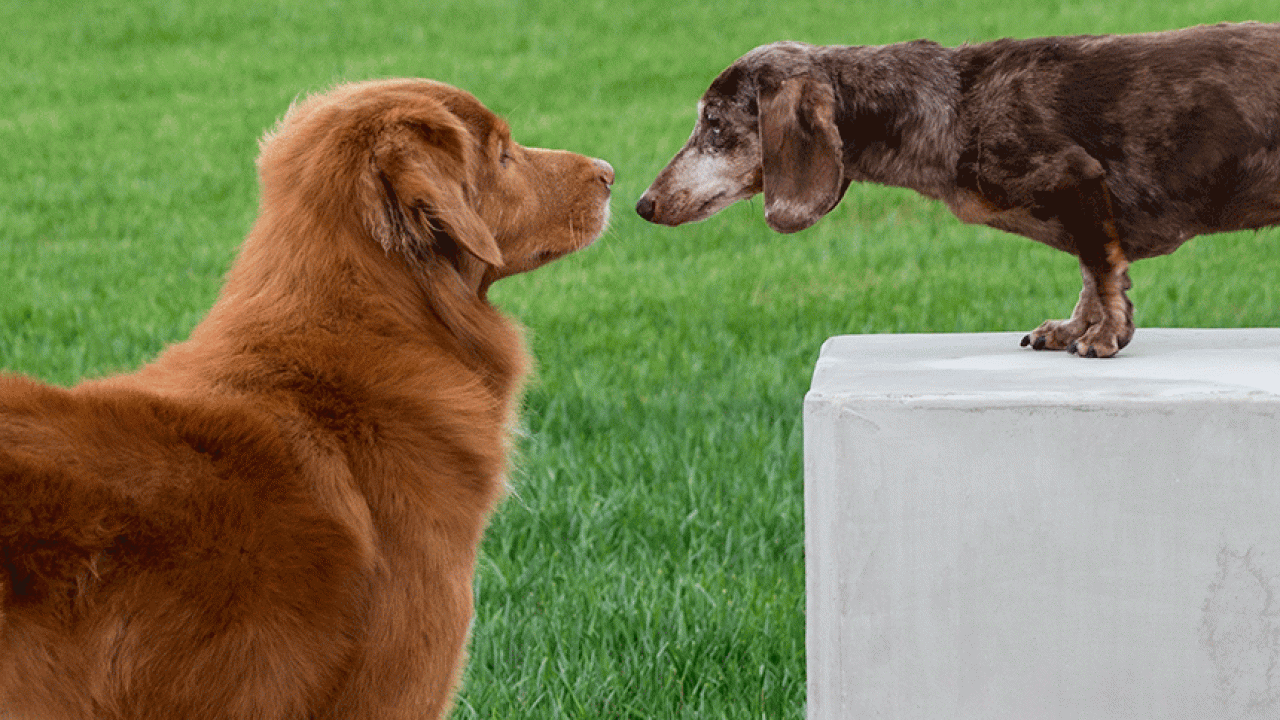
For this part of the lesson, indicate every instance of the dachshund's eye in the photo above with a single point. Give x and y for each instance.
(715, 135)
(505, 158)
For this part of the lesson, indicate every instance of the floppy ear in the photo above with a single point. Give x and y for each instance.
(801, 148)
(422, 169)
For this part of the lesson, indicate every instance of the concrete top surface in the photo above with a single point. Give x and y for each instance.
(1160, 365)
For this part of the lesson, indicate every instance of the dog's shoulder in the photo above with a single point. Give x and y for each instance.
(1011, 64)
(162, 455)
(1169, 53)
(102, 474)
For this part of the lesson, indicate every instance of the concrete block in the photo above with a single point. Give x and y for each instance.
(994, 533)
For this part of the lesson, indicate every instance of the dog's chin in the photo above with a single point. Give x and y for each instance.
(696, 211)
(542, 257)
(528, 263)
(587, 239)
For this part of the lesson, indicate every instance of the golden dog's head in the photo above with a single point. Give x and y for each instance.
(434, 177)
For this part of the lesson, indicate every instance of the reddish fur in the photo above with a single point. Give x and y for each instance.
(279, 517)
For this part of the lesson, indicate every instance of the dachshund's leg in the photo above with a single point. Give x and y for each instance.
(1061, 334)
(1102, 322)
(1114, 329)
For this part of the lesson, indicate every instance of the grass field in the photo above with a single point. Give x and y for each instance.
(650, 562)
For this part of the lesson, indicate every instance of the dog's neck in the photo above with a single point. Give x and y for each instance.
(897, 114)
(293, 282)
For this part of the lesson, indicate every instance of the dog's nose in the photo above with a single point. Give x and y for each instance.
(644, 207)
(606, 172)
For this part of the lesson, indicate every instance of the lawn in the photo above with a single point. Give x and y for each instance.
(649, 562)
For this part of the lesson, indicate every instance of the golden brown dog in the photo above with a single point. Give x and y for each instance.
(278, 518)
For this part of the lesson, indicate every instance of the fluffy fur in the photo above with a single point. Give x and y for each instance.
(278, 518)
(1111, 148)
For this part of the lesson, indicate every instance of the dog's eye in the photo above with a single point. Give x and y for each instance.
(714, 133)
(505, 158)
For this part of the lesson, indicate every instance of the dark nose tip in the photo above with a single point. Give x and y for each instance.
(644, 208)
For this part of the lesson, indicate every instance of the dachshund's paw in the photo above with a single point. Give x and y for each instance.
(1101, 341)
(1055, 335)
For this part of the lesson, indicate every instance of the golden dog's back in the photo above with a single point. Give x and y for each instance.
(111, 498)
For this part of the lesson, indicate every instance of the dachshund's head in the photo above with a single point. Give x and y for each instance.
(766, 124)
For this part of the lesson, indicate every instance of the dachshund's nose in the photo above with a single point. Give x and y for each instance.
(606, 172)
(644, 207)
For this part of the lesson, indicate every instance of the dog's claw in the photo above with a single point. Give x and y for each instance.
(1026, 340)
(1073, 348)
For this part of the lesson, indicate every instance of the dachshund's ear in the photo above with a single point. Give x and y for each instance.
(422, 169)
(801, 150)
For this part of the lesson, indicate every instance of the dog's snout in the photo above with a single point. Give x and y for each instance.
(644, 207)
(606, 172)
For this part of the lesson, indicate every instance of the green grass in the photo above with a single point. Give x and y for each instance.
(650, 561)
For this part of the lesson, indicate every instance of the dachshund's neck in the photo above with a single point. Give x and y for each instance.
(897, 114)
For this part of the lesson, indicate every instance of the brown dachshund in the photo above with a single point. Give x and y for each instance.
(1112, 148)
(278, 518)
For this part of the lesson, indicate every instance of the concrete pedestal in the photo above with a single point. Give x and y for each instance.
(994, 533)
